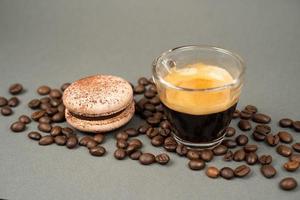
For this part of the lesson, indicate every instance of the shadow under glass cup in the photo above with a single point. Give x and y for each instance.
(199, 87)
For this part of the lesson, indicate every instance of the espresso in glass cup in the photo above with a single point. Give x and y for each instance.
(199, 87)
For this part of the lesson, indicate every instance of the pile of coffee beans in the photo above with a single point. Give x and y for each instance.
(48, 112)
(7, 104)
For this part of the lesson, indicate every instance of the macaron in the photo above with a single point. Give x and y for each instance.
(99, 103)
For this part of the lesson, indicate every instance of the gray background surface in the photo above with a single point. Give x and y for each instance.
(52, 42)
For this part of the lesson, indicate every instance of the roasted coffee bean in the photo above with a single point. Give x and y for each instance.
(130, 149)
(263, 129)
(258, 136)
(139, 89)
(227, 173)
(220, 150)
(58, 117)
(165, 124)
(34, 103)
(67, 131)
(135, 155)
(207, 155)
(149, 94)
(46, 140)
(284, 150)
(196, 164)
(193, 155)
(288, 183)
(147, 158)
(291, 166)
(242, 171)
(143, 81)
(153, 121)
(16, 88)
(55, 131)
(61, 108)
(141, 103)
(122, 144)
(24, 119)
(152, 87)
(135, 142)
(60, 140)
(261, 118)
(236, 114)
(229, 143)
(13, 102)
(18, 127)
(84, 140)
(97, 151)
(265, 159)
(122, 136)
(72, 142)
(241, 140)
(55, 93)
(251, 108)
(51, 111)
(286, 122)
(296, 146)
(251, 158)
(37, 115)
(43, 90)
(272, 140)
(55, 102)
(6, 111)
(212, 172)
(64, 86)
(170, 144)
(160, 108)
(181, 150)
(44, 127)
(131, 132)
(3, 101)
(239, 155)
(164, 132)
(91, 143)
(228, 156)
(45, 106)
(120, 154)
(285, 137)
(146, 114)
(245, 114)
(45, 100)
(143, 128)
(296, 126)
(157, 140)
(155, 100)
(268, 171)
(34, 135)
(230, 131)
(162, 158)
(295, 157)
(250, 148)
(99, 138)
(244, 125)
(158, 115)
(152, 132)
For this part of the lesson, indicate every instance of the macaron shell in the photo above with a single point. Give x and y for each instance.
(98, 95)
(99, 126)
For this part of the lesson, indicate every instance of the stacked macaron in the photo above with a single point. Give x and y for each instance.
(99, 103)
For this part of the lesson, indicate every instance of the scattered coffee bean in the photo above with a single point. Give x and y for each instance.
(207, 155)
(229, 143)
(34, 103)
(45, 127)
(45, 100)
(272, 140)
(99, 138)
(60, 140)
(135, 155)
(245, 114)
(242, 171)
(84, 140)
(24, 119)
(296, 126)
(181, 150)
(91, 143)
(265, 159)
(212, 172)
(155, 100)
(157, 140)
(72, 142)
(251, 158)
(250, 148)
(291, 166)
(67, 131)
(262, 129)
(152, 132)
(236, 114)
(58, 117)
(139, 89)
(97, 151)
(37, 115)
(131, 132)
(55, 131)
(286, 122)
(288, 183)
(162, 158)
(261, 118)
(43, 90)
(143, 128)
(16, 88)
(230, 131)
(153, 121)
(227, 173)
(13, 102)
(149, 94)
(284, 150)
(196, 164)
(18, 127)
(251, 108)
(241, 140)
(122, 136)
(136, 143)
(170, 144)
(164, 132)
(220, 150)
(46, 140)
(193, 154)
(130, 149)
(3, 101)
(268, 171)
(55, 93)
(239, 155)
(45, 119)
(285, 137)
(122, 144)
(244, 125)
(295, 157)
(64, 86)
(120, 154)
(6, 111)
(296, 146)
(147, 158)
(228, 156)
(34, 135)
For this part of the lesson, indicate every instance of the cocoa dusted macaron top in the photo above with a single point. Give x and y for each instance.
(98, 95)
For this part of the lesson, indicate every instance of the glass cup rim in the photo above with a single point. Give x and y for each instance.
(205, 47)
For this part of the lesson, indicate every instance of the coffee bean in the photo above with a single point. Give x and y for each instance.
(157, 140)
(291, 166)
(67, 131)
(170, 144)
(227, 173)
(196, 164)
(295, 157)
(45, 119)
(43, 90)
(268, 171)
(46, 140)
(160, 108)
(220, 150)
(236, 114)
(37, 115)
(228, 156)
(34, 135)
(265, 159)
(165, 124)
(143, 81)
(155, 100)
(285, 137)
(263, 129)
(207, 155)
(258, 136)
(193, 155)
(212, 172)
(51, 111)
(55, 131)
(6, 111)
(58, 117)
(272, 140)
(61, 108)
(18, 127)
(55, 102)
(146, 114)
(286, 122)
(229, 143)
(131, 132)
(91, 143)
(181, 150)
(55, 93)
(143, 128)
(60, 140)
(152, 86)
(16, 88)
(288, 183)
(45, 100)
(64, 86)
(241, 140)
(122, 144)
(242, 171)
(164, 132)
(244, 125)
(245, 114)
(72, 142)
(99, 138)
(24, 119)
(251, 108)
(250, 148)
(296, 146)
(122, 136)
(45, 127)
(130, 149)
(3, 101)
(296, 126)
(251, 158)
(13, 102)
(45, 106)
(120, 154)
(84, 140)
(135, 155)
(230, 131)
(153, 121)
(284, 150)
(149, 94)
(97, 151)
(147, 159)
(139, 89)
(261, 118)
(162, 158)
(135, 142)
(239, 155)
(34, 103)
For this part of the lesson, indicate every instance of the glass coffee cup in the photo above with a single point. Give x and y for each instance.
(199, 87)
